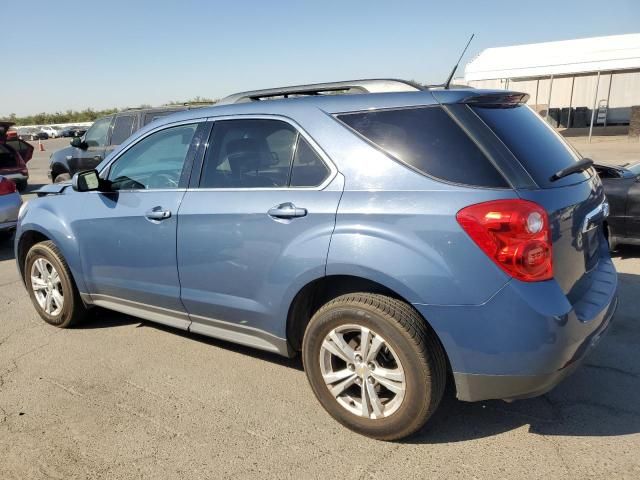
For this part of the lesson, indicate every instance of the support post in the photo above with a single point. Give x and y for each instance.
(549, 98)
(593, 110)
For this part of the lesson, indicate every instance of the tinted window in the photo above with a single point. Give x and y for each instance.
(537, 146)
(428, 140)
(96, 136)
(122, 127)
(155, 161)
(249, 154)
(150, 117)
(308, 168)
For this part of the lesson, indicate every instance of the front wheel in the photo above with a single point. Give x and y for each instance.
(51, 287)
(63, 177)
(374, 365)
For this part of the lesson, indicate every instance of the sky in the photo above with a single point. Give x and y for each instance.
(126, 53)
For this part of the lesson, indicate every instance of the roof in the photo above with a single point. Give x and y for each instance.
(615, 52)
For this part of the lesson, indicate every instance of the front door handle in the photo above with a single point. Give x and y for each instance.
(158, 213)
(287, 210)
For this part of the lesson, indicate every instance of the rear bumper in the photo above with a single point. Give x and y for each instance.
(472, 387)
(526, 338)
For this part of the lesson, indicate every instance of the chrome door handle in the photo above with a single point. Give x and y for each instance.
(157, 213)
(287, 210)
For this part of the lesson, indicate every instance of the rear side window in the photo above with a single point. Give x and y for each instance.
(540, 150)
(308, 169)
(429, 141)
(122, 127)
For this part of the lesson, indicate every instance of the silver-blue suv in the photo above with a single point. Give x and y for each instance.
(399, 238)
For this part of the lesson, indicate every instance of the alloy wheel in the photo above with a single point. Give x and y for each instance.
(47, 286)
(362, 371)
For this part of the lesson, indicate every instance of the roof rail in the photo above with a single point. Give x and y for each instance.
(349, 86)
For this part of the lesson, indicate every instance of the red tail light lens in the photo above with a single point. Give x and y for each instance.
(515, 234)
(6, 186)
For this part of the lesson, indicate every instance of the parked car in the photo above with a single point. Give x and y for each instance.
(10, 202)
(399, 242)
(622, 188)
(70, 131)
(14, 155)
(90, 147)
(32, 134)
(50, 131)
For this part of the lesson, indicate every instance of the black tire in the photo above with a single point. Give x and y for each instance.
(62, 177)
(73, 309)
(21, 186)
(412, 340)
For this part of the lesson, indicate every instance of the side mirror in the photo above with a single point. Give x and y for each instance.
(88, 181)
(79, 143)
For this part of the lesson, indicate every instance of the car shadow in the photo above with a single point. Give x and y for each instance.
(626, 251)
(602, 398)
(102, 318)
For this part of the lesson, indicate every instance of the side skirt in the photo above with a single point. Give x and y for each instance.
(240, 334)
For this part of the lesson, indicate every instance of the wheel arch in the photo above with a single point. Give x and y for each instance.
(322, 290)
(28, 235)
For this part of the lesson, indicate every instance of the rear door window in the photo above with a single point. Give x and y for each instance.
(122, 127)
(429, 141)
(540, 150)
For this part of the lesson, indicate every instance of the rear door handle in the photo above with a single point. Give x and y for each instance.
(287, 210)
(157, 213)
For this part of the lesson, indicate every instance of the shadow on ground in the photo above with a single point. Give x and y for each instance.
(602, 398)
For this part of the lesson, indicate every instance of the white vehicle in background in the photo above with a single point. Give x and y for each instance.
(52, 132)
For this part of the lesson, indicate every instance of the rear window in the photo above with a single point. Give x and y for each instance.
(540, 150)
(429, 141)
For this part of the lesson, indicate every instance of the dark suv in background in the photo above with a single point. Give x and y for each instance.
(103, 136)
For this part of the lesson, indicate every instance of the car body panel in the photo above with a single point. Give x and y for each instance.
(622, 188)
(9, 208)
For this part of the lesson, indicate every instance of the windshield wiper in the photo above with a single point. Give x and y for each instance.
(579, 166)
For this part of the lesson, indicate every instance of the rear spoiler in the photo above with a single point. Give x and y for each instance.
(497, 100)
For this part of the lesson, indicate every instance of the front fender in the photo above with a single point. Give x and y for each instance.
(46, 217)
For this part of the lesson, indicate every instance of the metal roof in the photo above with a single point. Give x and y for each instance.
(615, 52)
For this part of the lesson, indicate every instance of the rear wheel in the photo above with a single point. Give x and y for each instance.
(51, 287)
(374, 365)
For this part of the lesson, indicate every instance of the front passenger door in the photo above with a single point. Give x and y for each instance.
(127, 238)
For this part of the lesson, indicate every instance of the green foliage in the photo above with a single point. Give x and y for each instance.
(70, 116)
(86, 115)
(196, 99)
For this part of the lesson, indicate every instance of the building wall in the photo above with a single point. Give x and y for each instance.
(620, 90)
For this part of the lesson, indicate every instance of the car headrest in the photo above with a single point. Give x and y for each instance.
(246, 154)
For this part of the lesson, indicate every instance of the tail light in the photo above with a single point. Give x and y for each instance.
(515, 234)
(7, 186)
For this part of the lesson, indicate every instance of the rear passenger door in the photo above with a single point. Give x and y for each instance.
(254, 228)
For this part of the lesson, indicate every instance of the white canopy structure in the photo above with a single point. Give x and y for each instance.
(567, 57)
(580, 77)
